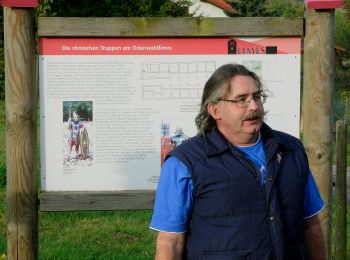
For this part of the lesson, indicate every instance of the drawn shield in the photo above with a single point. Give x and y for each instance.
(84, 144)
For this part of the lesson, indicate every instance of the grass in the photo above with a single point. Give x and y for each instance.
(2, 145)
(96, 235)
(334, 228)
(90, 235)
(2, 222)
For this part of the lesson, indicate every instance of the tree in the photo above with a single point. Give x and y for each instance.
(2, 73)
(249, 8)
(347, 9)
(342, 30)
(255, 8)
(285, 8)
(113, 8)
(82, 108)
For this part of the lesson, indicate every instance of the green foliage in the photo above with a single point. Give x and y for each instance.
(341, 96)
(273, 8)
(345, 100)
(346, 7)
(82, 108)
(44, 8)
(2, 176)
(179, 8)
(113, 8)
(249, 8)
(285, 8)
(2, 73)
(342, 30)
(2, 221)
(2, 145)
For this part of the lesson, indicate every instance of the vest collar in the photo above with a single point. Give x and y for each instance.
(216, 143)
(272, 137)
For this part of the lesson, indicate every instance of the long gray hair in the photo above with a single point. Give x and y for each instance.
(218, 86)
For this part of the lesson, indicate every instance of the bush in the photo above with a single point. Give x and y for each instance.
(342, 31)
(113, 8)
(2, 176)
(2, 74)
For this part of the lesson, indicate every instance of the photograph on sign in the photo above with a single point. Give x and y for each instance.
(124, 103)
(77, 124)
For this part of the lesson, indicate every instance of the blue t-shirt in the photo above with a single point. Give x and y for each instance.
(256, 154)
(174, 198)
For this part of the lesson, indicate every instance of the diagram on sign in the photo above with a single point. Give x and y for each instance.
(184, 73)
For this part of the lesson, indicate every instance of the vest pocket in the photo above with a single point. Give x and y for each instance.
(296, 253)
(303, 252)
(226, 255)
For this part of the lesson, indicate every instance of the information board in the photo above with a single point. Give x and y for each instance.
(131, 100)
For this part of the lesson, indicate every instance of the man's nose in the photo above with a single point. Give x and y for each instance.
(252, 104)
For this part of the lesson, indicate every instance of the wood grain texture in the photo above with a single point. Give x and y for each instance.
(317, 108)
(116, 200)
(340, 187)
(21, 100)
(166, 26)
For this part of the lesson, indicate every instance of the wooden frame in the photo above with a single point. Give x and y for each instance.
(20, 83)
(148, 27)
(20, 103)
(172, 27)
(114, 200)
(318, 69)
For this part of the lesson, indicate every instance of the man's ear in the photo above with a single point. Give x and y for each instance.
(214, 111)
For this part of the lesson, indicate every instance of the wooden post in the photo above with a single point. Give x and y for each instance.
(317, 109)
(341, 144)
(21, 100)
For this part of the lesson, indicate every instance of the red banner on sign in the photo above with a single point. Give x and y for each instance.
(19, 3)
(169, 46)
(324, 4)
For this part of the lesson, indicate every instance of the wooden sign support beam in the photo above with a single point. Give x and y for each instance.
(317, 108)
(21, 99)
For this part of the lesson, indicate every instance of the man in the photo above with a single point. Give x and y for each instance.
(74, 126)
(179, 137)
(237, 190)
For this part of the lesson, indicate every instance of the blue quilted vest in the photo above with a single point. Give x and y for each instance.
(233, 215)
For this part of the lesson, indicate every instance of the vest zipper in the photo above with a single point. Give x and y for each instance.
(257, 175)
(251, 165)
(272, 236)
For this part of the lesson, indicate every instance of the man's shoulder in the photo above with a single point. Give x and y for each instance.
(190, 151)
(191, 142)
(289, 140)
(192, 146)
(285, 139)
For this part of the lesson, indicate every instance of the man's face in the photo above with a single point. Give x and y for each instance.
(178, 131)
(236, 123)
(75, 117)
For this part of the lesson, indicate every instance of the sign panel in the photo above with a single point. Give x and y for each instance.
(19, 3)
(111, 109)
(324, 4)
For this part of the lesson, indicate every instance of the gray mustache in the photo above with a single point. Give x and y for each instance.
(254, 115)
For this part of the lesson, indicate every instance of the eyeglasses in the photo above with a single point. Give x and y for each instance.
(245, 102)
